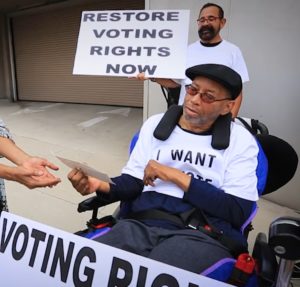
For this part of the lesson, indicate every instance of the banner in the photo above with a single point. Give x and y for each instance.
(125, 43)
(35, 255)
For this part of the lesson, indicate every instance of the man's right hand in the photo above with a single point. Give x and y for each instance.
(167, 83)
(141, 77)
(86, 184)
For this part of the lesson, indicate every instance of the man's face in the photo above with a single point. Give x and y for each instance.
(198, 112)
(209, 24)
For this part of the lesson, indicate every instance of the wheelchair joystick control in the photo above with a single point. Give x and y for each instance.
(280, 250)
(284, 238)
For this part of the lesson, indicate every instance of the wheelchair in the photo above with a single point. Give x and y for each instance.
(274, 257)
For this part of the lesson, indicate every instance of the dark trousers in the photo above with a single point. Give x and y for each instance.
(187, 249)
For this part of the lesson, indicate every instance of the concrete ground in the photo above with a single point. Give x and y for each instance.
(93, 134)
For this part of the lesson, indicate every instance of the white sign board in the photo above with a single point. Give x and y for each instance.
(35, 255)
(125, 43)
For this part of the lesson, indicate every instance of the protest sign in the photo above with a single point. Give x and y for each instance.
(125, 43)
(34, 254)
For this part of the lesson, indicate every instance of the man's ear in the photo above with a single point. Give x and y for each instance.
(223, 22)
(228, 107)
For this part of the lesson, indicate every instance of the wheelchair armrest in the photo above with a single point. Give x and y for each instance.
(284, 237)
(93, 203)
(265, 260)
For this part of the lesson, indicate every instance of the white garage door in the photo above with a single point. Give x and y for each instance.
(44, 50)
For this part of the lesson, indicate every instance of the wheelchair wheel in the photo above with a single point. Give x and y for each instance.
(296, 272)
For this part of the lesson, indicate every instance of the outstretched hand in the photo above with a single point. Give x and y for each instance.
(38, 163)
(33, 173)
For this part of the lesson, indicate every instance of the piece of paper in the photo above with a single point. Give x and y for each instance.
(86, 169)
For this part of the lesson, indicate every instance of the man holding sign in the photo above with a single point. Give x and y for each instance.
(210, 49)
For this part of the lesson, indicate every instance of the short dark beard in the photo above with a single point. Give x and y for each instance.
(200, 121)
(207, 33)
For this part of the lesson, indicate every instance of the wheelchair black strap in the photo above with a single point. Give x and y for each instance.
(156, 214)
(247, 126)
(220, 131)
(192, 219)
(255, 127)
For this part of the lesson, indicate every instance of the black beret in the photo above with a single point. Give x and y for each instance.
(224, 75)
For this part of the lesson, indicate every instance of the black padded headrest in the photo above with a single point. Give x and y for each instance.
(168, 122)
(221, 132)
(282, 161)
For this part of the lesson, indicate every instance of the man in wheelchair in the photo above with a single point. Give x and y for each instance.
(189, 195)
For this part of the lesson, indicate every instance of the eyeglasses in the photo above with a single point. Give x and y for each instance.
(205, 97)
(209, 19)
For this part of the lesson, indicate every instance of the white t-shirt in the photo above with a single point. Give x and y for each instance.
(224, 53)
(232, 170)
